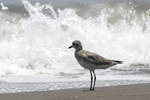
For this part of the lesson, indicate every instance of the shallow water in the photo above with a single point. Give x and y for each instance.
(31, 87)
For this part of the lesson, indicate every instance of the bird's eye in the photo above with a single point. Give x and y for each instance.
(73, 43)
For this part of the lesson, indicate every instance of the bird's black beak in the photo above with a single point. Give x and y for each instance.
(70, 47)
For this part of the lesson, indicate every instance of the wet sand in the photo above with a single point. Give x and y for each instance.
(124, 92)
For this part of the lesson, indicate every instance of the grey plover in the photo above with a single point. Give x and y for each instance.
(91, 60)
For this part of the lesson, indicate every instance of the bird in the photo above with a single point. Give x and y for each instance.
(91, 61)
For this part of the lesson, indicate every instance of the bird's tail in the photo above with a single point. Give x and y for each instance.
(118, 62)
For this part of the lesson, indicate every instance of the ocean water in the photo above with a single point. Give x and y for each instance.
(35, 36)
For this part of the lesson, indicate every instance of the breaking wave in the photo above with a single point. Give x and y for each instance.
(35, 40)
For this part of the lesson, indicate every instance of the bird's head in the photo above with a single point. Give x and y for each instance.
(76, 44)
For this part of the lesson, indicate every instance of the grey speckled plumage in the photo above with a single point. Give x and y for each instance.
(91, 60)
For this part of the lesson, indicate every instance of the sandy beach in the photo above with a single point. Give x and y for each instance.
(124, 92)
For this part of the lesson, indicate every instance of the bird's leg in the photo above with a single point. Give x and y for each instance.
(91, 81)
(94, 80)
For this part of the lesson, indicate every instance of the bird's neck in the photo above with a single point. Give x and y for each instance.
(78, 49)
(77, 53)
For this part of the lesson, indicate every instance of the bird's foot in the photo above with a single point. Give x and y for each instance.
(91, 89)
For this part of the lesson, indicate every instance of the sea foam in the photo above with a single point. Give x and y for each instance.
(37, 42)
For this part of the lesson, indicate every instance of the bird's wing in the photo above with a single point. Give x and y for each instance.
(95, 59)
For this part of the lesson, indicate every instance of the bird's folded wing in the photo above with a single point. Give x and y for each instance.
(96, 59)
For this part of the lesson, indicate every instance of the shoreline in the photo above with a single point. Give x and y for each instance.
(121, 92)
(8, 87)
